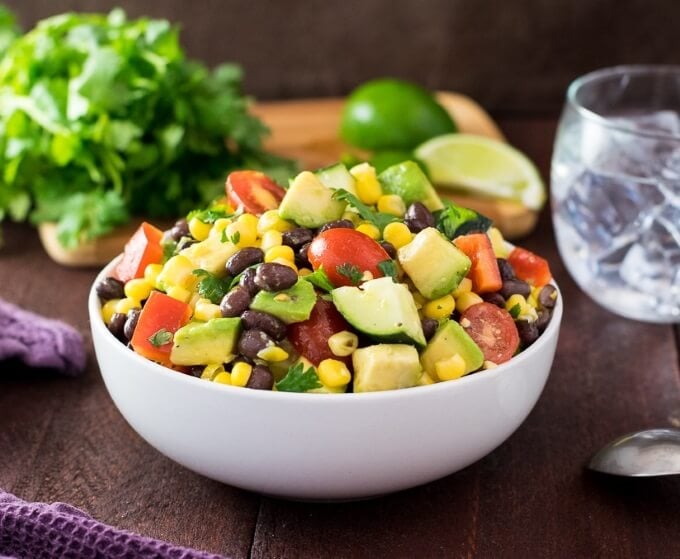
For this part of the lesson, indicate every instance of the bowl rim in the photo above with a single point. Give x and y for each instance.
(98, 327)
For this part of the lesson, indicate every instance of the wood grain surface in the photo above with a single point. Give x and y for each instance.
(63, 440)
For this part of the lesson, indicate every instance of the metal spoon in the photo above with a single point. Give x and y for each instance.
(655, 452)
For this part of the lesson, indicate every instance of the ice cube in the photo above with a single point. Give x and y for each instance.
(607, 211)
(667, 122)
(652, 265)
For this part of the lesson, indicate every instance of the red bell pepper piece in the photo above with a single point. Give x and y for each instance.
(160, 318)
(143, 248)
(529, 267)
(484, 272)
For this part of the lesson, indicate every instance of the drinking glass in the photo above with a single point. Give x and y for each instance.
(615, 189)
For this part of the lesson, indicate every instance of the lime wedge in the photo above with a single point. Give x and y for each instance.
(482, 165)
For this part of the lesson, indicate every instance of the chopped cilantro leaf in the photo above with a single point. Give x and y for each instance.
(515, 310)
(169, 248)
(320, 280)
(299, 380)
(161, 337)
(211, 287)
(209, 215)
(389, 268)
(351, 272)
(379, 219)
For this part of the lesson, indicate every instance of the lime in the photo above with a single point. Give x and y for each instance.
(390, 114)
(482, 165)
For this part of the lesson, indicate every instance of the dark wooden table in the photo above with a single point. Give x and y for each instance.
(63, 440)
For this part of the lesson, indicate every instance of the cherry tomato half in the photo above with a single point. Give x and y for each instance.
(253, 192)
(493, 330)
(345, 255)
(310, 338)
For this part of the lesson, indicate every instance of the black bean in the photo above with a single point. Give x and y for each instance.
(243, 259)
(495, 299)
(275, 277)
(543, 319)
(177, 231)
(260, 378)
(389, 248)
(235, 302)
(418, 217)
(337, 224)
(247, 281)
(528, 332)
(110, 288)
(430, 326)
(196, 370)
(515, 287)
(131, 322)
(547, 296)
(505, 269)
(117, 326)
(301, 258)
(252, 342)
(297, 237)
(256, 320)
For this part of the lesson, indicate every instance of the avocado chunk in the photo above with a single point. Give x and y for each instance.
(211, 254)
(294, 304)
(309, 202)
(451, 338)
(433, 263)
(385, 367)
(381, 309)
(200, 343)
(337, 176)
(408, 181)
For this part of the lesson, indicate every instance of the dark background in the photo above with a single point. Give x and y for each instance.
(513, 56)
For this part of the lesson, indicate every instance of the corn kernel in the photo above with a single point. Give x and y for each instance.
(352, 216)
(205, 310)
(500, 249)
(333, 373)
(179, 293)
(273, 353)
(397, 234)
(439, 308)
(285, 262)
(240, 373)
(367, 185)
(138, 289)
(302, 272)
(465, 286)
(343, 343)
(391, 204)
(517, 302)
(282, 251)
(425, 379)
(451, 368)
(249, 220)
(127, 304)
(466, 300)
(222, 378)
(271, 221)
(220, 225)
(109, 309)
(369, 229)
(198, 229)
(177, 271)
(244, 233)
(211, 370)
(271, 239)
(151, 273)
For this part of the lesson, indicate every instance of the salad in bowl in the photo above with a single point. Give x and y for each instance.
(346, 281)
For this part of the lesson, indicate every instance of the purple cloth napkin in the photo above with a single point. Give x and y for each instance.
(40, 342)
(44, 531)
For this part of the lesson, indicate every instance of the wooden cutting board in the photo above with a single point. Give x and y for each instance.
(307, 130)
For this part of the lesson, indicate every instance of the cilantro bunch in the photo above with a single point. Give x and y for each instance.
(102, 118)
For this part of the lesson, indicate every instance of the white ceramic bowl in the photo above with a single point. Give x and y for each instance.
(322, 446)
